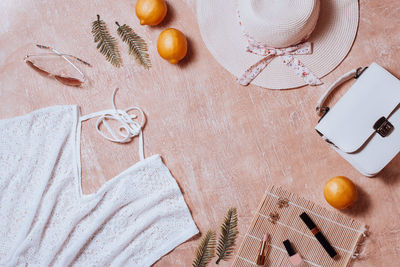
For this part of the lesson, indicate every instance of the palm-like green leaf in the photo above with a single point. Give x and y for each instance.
(206, 250)
(107, 45)
(137, 46)
(228, 235)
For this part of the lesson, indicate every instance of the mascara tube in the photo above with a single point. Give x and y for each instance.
(318, 235)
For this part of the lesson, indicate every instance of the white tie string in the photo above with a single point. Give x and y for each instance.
(129, 126)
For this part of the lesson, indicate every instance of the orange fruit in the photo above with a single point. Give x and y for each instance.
(340, 192)
(150, 12)
(172, 45)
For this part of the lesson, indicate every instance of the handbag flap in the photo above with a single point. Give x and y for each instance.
(349, 124)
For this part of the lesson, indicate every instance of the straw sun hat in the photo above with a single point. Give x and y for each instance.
(278, 44)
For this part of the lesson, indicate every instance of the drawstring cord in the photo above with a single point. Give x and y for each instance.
(128, 129)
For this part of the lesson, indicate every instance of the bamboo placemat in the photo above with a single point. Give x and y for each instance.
(344, 234)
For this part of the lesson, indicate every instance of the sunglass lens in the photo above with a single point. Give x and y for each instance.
(68, 81)
(39, 70)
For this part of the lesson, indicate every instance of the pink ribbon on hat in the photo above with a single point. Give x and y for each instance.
(269, 53)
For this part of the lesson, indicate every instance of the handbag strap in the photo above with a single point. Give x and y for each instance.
(355, 73)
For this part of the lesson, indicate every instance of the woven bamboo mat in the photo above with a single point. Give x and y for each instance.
(344, 234)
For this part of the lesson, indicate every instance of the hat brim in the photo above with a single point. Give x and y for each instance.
(332, 39)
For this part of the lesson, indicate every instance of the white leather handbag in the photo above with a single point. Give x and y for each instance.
(364, 125)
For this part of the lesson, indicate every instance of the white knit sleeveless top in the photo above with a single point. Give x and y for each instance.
(132, 220)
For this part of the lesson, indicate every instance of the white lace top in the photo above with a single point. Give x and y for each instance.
(45, 220)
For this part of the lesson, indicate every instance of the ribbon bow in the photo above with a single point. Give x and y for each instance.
(269, 53)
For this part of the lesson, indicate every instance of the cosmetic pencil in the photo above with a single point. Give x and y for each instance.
(318, 235)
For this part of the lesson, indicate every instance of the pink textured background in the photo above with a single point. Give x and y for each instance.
(224, 143)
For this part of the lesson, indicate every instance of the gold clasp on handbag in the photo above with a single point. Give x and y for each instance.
(383, 127)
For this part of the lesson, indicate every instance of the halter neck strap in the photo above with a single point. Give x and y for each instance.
(129, 127)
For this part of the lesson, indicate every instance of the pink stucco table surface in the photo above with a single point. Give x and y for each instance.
(224, 143)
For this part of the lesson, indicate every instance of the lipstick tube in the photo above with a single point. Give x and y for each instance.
(262, 251)
(318, 235)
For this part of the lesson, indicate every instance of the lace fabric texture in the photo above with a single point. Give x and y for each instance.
(132, 220)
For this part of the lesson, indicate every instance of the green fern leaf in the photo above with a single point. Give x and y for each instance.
(137, 46)
(206, 250)
(107, 45)
(229, 232)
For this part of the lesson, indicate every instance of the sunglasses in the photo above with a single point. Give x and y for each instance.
(70, 81)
